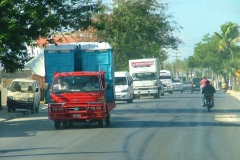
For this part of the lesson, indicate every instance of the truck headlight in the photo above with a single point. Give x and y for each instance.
(30, 99)
(10, 97)
(100, 99)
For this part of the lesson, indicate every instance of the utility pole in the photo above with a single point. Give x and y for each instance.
(176, 56)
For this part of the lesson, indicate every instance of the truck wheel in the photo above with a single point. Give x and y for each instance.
(9, 109)
(13, 109)
(162, 94)
(108, 120)
(64, 123)
(138, 96)
(181, 91)
(102, 122)
(191, 91)
(135, 96)
(171, 92)
(129, 101)
(57, 124)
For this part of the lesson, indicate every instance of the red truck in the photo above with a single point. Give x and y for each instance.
(85, 94)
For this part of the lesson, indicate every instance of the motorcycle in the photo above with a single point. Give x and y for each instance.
(224, 90)
(209, 101)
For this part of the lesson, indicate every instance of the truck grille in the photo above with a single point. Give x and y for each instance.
(75, 108)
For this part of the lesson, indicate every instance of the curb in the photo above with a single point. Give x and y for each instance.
(235, 94)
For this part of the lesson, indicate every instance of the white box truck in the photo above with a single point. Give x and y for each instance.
(145, 74)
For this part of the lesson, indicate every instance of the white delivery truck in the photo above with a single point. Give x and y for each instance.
(166, 79)
(145, 74)
(123, 86)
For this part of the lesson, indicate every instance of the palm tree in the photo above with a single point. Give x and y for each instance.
(229, 36)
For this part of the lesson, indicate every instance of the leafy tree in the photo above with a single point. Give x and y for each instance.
(138, 29)
(228, 36)
(23, 21)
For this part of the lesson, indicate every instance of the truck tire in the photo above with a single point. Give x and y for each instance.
(162, 94)
(102, 122)
(181, 91)
(57, 124)
(135, 96)
(9, 109)
(108, 119)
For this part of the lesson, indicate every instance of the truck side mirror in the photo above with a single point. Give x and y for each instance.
(47, 86)
(37, 89)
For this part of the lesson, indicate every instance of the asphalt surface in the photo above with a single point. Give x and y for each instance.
(174, 127)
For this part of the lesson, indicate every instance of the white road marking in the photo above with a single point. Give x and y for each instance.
(227, 118)
(27, 119)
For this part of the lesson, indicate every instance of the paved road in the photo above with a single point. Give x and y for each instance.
(174, 127)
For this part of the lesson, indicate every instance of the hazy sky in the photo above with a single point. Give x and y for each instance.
(199, 17)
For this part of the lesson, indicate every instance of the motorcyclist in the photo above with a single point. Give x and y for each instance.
(203, 83)
(224, 86)
(208, 89)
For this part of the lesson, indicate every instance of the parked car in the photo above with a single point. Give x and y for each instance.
(177, 85)
(24, 94)
(195, 86)
(187, 85)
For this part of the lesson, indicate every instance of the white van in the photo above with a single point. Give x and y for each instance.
(24, 94)
(123, 87)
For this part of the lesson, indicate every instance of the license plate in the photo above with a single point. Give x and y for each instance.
(76, 115)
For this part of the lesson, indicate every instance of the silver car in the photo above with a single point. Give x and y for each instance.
(187, 85)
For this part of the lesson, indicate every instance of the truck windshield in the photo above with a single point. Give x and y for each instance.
(144, 76)
(21, 86)
(76, 84)
(176, 81)
(120, 81)
(165, 77)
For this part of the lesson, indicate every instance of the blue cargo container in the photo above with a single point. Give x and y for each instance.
(82, 56)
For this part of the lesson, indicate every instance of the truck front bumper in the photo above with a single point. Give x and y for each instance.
(146, 91)
(76, 111)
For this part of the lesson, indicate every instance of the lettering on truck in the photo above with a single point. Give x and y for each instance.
(142, 64)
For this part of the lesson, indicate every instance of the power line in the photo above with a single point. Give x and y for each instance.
(176, 56)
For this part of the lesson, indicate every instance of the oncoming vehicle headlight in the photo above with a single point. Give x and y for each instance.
(30, 99)
(10, 97)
